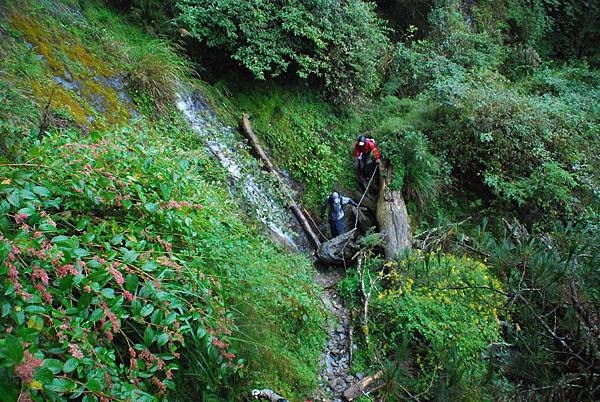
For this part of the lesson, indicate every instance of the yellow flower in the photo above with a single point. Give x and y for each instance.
(35, 384)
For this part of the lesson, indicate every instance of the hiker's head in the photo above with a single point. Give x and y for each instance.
(361, 140)
(335, 197)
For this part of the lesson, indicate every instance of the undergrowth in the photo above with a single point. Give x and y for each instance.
(128, 269)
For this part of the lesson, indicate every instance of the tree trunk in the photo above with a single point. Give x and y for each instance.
(392, 216)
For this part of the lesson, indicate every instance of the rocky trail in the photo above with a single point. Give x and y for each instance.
(335, 362)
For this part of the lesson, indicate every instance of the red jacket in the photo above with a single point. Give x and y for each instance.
(366, 149)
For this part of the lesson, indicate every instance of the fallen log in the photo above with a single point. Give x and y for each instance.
(246, 129)
(336, 250)
(363, 386)
(392, 216)
(312, 236)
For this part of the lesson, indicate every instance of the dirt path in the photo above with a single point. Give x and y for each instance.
(335, 358)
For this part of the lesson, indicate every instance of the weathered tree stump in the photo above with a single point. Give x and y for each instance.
(392, 216)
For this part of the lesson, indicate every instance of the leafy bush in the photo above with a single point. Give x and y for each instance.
(446, 310)
(516, 143)
(113, 279)
(153, 67)
(155, 70)
(339, 43)
(305, 136)
(552, 278)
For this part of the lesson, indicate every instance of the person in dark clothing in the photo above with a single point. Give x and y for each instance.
(336, 203)
(362, 152)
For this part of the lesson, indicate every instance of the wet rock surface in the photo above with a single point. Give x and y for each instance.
(335, 363)
(222, 141)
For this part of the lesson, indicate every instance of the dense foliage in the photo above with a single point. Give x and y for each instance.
(111, 273)
(128, 269)
(337, 42)
(445, 309)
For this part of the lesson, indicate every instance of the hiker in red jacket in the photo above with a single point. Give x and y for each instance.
(362, 153)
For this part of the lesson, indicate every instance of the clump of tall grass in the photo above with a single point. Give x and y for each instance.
(155, 68)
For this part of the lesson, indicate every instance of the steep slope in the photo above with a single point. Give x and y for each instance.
(134, 263)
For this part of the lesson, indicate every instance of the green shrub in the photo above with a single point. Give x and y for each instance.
(516, 143)
(126, 274)
(339, 43)
(416, 170)
(154, 69)
(305, 136)
(446, 310)
(552, 277)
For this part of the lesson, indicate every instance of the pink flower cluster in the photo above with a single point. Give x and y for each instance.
(63, 327)
(222, 346)
(114, 321)
(167, 262)
(26, 368)
(13, 273)
(128, 296)
(40, 275)
(112, 269)
(164, 243)
(66, 269)
(179, 204)
(49, 220)
(120, 198)
(20, 218)
(75, 351)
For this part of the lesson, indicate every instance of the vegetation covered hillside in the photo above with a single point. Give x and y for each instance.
(133, 266)
(129, 272)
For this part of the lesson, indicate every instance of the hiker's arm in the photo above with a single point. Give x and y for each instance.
(346, 200)
(375, 152)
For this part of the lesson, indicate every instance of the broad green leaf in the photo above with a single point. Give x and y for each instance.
(97, 315)
(131, 282)
(80, 252)
(162, 339)
(54, 365)
(61, 385)
(93, 384)
(14, 349)
(109, 293)
(44, 375)
(148, 336)
(151, 207)
(70, 365)
(43, 191)
(60, 239)
(149, 266)
(117, 239)
(129, 256)
(147, 310)
(34, 309)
